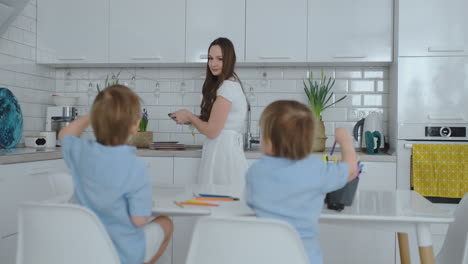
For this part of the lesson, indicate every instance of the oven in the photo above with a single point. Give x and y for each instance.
(425, 134)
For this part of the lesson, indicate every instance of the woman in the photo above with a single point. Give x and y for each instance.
(222, 118)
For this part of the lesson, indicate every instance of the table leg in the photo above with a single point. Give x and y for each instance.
(426, 253)
(403, 245)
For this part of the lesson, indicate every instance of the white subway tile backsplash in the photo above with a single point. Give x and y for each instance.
(246, 73)
(362, 86)
(295, 73)
(351, 100)
(334, 114)
(194, 73)
(147, 73)
(169, 126)
(382, 86)
(373, 100)
(283, 86)
(270, 73)
(376, 73)
(348, 73)
(171, 73)
(191, 99)
(170, 99)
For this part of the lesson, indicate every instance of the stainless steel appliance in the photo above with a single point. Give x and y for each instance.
(59, 117)
(432, 106)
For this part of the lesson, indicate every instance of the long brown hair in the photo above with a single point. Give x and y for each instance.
(212, 83)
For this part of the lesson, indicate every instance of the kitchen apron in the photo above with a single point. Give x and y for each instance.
(223, 160)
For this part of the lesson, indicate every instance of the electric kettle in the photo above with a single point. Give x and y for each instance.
(369, 133)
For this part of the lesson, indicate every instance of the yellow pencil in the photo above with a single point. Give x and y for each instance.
(178, 204)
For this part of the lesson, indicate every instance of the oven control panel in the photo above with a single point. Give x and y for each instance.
(445, 131)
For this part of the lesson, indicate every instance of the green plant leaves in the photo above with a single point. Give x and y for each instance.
(320, 94)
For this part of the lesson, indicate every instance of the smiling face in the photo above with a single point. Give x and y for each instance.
(215, 60)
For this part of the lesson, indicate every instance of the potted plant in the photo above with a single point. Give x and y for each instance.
(319, 94)
(143, 138)
(113, 80)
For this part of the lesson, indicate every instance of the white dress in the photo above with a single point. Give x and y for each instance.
(223, 160)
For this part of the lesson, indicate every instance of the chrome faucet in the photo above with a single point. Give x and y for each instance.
(248, 138)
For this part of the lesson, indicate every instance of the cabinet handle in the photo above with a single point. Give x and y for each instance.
(442, 49)
(146, 58)
(349, 56)
(39, 171)
(274, 58)
(433, 117)
(203, 57)
(408, 146)
(72, 59)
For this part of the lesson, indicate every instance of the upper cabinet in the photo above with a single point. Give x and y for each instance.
(359, 30)
(276, 31)
(72, 31)
(433, 28)
(147, 31)
(210, 19)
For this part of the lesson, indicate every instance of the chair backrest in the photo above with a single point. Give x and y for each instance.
(62, 233)
(455, 247)
(245, 240)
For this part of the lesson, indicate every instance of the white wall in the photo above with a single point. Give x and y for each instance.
(366, 89)
(31, 84)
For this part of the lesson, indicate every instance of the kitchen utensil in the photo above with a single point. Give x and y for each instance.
(372, 123)
(35, 141)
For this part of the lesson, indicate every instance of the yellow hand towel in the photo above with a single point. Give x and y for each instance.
(440, 170)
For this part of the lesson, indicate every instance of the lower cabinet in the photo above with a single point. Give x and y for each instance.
(18, 183)
(8, 249)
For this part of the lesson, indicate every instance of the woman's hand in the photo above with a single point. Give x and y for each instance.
(182, 116)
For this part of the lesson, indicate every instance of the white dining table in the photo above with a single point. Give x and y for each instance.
(400, 211)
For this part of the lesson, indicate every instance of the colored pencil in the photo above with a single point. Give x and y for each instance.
(189, 202)
(212, 195)
(178, 204)
(215, 199)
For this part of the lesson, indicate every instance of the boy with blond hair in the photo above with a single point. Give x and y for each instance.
(110, 180)
(289, 184)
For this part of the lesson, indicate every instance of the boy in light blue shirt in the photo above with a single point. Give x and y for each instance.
(289, 184)
(110, 180)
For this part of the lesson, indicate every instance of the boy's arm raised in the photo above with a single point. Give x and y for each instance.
(348, 155)
(75, 128)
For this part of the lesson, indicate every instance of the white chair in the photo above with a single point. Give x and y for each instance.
(62, 233)
(455, 247)
(246, 240)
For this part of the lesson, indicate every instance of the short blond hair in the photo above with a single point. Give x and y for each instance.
(114, 111)
(288, 125)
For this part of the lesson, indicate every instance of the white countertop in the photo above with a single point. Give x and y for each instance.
(18, 155)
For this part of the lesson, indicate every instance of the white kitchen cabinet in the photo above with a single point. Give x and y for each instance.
(276, 31)
(160, 169)
(147, 31)
(210, 19)
(350, 31)
(70, 32)
(362, 245)
(378, 176)
(185, 172)
(341, 244)
(431, 90)
(8, 249)
(433, 28)
(22, 182)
